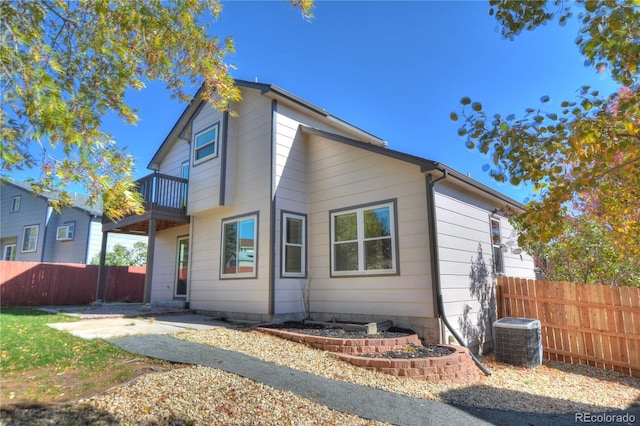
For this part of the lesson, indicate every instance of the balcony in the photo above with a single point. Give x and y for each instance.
(165, 201)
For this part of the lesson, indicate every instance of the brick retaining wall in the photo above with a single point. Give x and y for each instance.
(456, 367)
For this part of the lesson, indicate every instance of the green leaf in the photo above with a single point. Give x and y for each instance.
(453, 116)
(476, 106)
(465, 101)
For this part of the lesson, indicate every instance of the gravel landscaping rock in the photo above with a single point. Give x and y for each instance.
(204, 395)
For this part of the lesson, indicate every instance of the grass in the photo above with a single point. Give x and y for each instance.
(41, 364)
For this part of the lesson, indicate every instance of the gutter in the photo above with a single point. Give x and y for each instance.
(435, 260)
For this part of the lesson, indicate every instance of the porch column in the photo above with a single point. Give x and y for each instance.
(150, 254)
(101, 268)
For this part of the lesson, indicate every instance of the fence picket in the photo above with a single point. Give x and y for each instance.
(41, 284)
(581, 323)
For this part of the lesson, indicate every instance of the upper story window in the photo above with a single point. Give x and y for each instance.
(239, 247)
(496, 243)
(15, 203)
(66, 232)
(30, 238)
(206, 143)
(293, 245)
(363, 240)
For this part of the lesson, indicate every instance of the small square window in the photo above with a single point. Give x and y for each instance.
(65, 232)
(206, 143)
(15, 203)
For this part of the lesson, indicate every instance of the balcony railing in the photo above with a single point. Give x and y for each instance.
(164, 193)
(165, 199)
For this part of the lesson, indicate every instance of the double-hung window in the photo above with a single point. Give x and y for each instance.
(496, 244)
(239, 247)
(293, 245)
(363, 240)
(30, 238)
(206, 143)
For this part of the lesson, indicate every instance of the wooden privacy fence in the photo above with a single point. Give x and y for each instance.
(40, 284)
(581, 323)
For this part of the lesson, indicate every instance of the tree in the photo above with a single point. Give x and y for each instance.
(586, 253)
(583, 159)
(123, 256)
(67, 64)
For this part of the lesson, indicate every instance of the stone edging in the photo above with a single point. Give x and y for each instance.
(456, 367)
(347, 346)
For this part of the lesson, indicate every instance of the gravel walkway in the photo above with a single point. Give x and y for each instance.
(554, 387)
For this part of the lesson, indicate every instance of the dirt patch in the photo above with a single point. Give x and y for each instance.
(43, 386)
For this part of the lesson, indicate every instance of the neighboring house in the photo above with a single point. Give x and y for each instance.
(286, 197)
(32, 231)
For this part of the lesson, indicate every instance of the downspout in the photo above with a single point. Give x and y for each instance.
(435, 268)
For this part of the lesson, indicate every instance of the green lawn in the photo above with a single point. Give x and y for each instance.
(27, 342)
(42, 364)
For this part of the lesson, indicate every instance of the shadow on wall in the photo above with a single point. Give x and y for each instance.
(477, 328)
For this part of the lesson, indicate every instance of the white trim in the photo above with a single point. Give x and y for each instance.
(303, 245)
(35, 246)
(360, 240)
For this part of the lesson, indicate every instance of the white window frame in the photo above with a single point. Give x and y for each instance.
(70, 232)
(15, 203)
(359, 210)
(9, 251)
(496, 246)
(24, 240)
(237, 220)
(286, 216)
(214, 141)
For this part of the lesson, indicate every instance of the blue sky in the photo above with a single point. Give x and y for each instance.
(394, 69)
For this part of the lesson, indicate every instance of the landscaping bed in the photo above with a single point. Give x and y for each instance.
(397, 352)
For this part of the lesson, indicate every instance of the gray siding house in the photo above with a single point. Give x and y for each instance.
(288, 211)
(32, 231)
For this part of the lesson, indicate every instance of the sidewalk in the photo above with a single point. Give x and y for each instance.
(363, 401)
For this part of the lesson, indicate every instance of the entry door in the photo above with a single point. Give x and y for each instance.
(182, 267)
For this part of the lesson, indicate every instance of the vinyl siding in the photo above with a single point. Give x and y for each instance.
(341, 176)
(71, 251)
(248, 168)
(205, 177)
(33, 211)
(165, 261)
(466, 259)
